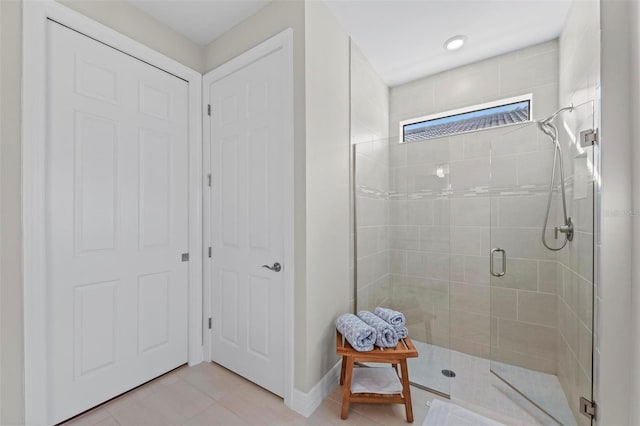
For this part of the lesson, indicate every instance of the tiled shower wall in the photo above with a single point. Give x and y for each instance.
(369, 131)
(439, 236)
(579, 83)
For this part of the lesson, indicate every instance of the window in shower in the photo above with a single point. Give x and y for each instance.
(470, 119)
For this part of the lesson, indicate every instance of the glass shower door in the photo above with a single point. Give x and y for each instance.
(402, 245)
(542, 296)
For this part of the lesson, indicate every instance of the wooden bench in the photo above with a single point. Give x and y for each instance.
(394, 356)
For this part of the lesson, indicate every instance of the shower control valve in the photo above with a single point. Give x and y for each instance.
(565, 229)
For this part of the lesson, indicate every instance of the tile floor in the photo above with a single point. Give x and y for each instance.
(474, 384)
(208, 394)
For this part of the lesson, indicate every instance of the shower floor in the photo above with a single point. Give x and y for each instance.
(478, 389)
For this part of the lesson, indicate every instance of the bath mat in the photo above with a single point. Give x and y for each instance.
(447, 414)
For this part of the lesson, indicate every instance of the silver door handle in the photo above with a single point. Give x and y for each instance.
(504, 262)
(276, 267)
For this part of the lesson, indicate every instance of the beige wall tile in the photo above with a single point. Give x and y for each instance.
(548, 276)
(469, 174)
(537, 308)
(466, 240)
(519, 359)
(471, 348)
(470, 298)
(435, 238)
(419, 212)
(456, 265)
(428, 152)
(504, 303)
(523, 212)
(515, 140)
(504, 173)
(525, 338)
(476, 269)
(467, 85)
(470, 211)
(521, 274)
(585, 349)
(404, 237)
(470, 326)
(529, 71)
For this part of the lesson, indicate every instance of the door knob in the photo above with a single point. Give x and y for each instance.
(276, 267)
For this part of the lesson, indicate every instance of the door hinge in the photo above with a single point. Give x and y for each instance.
(588, 138)
(588, 408)
(209, 110)
(209, 179)
(185, 257)
(210, 251)
(209, 323)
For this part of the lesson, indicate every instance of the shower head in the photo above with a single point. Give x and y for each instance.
(547, 126)
(554, 115)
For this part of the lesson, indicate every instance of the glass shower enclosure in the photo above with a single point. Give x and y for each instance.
(449, 231)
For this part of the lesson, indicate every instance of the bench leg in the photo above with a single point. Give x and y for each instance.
(346, 390)
(342, 370)
(406, 390)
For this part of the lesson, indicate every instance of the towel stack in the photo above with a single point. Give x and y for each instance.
(360, 335)
(386, 336)
(384, 328)
(395, 318)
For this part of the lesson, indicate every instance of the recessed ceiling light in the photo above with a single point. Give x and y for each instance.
(455, 42)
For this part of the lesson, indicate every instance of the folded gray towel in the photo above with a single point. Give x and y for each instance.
(386, 334)
(360, 335)
(402, 331)
(394, 318)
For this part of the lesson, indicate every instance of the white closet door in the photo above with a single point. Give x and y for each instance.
(117, 221)
(247, 148)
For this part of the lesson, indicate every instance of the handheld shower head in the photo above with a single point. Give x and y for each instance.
(546, 127)
(551, 130)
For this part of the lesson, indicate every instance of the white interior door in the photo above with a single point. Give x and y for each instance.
(117, 221)
(248, 128)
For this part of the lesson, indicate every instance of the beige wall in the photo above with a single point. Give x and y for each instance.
(125, 19)
(11, 328)
(327, 152)
(269, 21)
(579, 83)
(370, 130)
(614, 361)
(321, 168)
(635, 99)
(134, 23)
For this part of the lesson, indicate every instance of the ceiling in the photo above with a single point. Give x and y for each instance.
(200, 20)
(403, 39)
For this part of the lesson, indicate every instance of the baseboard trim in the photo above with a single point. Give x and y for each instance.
(306, 403)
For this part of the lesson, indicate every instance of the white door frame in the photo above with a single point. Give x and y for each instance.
(284, 41)
(34, 268)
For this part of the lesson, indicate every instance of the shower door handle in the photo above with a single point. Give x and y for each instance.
(504, 262)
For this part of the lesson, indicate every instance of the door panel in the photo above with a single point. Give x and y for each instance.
(117, 221)
(542, 343)
(248, 127)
